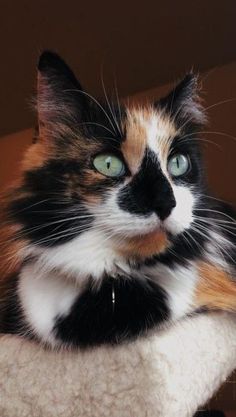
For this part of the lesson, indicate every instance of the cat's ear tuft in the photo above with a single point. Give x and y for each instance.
(52, 66)
(48, 60)
(60, 99)
(183, 103)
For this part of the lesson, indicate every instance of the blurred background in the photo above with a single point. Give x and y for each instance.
(143, 47)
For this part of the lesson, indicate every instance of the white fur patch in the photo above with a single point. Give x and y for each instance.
(217, 248)
(181, 216)
(121, 223)
(88, 255)
(179, 284)
(159, 130)
(43, 298)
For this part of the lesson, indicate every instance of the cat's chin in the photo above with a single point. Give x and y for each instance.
(146, 244)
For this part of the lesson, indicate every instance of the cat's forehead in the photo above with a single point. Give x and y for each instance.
(140, 129)
(147, 128)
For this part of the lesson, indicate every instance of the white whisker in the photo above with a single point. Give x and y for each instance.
(98, 104)
(109, 106)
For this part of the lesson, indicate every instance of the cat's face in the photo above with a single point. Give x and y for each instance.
(130, 174)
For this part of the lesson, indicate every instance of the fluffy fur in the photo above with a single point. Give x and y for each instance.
(103, 259)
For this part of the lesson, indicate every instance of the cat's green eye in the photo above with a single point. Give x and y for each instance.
(109, 165)
(178, 165)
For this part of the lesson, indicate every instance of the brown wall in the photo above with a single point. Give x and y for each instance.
(11, 151)
(142, 46)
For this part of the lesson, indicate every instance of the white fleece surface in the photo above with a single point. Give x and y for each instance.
(170, 374)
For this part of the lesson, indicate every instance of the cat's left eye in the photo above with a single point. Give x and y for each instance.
(109, 165)
(178, 165)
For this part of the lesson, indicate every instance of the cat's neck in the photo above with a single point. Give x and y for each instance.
(92, 254)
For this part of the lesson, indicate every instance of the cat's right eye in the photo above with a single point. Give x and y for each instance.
(109, 165)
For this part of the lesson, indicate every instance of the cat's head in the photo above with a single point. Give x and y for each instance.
(128, 174)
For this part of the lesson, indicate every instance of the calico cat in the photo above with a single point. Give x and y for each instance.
(110, 232)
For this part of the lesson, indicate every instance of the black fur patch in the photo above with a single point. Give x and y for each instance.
(183, 104)
(149, 191)
(94, 320)
(49, 216)
(11, 315)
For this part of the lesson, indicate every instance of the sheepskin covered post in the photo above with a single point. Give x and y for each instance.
(169, 374)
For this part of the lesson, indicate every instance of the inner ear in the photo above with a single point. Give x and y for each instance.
(183, 103)
(60, 97)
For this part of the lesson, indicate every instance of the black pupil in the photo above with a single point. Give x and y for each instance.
(177, 161)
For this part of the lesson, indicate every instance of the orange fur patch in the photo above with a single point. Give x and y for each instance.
(166, 134)
(36, 156)
(145, 245)
(143, 125)
(9, 251)
(9, 247)
(133, 147)
(216, 288)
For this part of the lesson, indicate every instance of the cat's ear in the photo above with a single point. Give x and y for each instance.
(183, 102)
(60, 99)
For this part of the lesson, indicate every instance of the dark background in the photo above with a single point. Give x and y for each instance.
(141, 44)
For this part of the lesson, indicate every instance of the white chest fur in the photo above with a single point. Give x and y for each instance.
(89, 254)
(43, 298)
(179, 284)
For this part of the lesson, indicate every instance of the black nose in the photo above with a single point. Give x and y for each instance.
(149, 191)
(164, 206)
